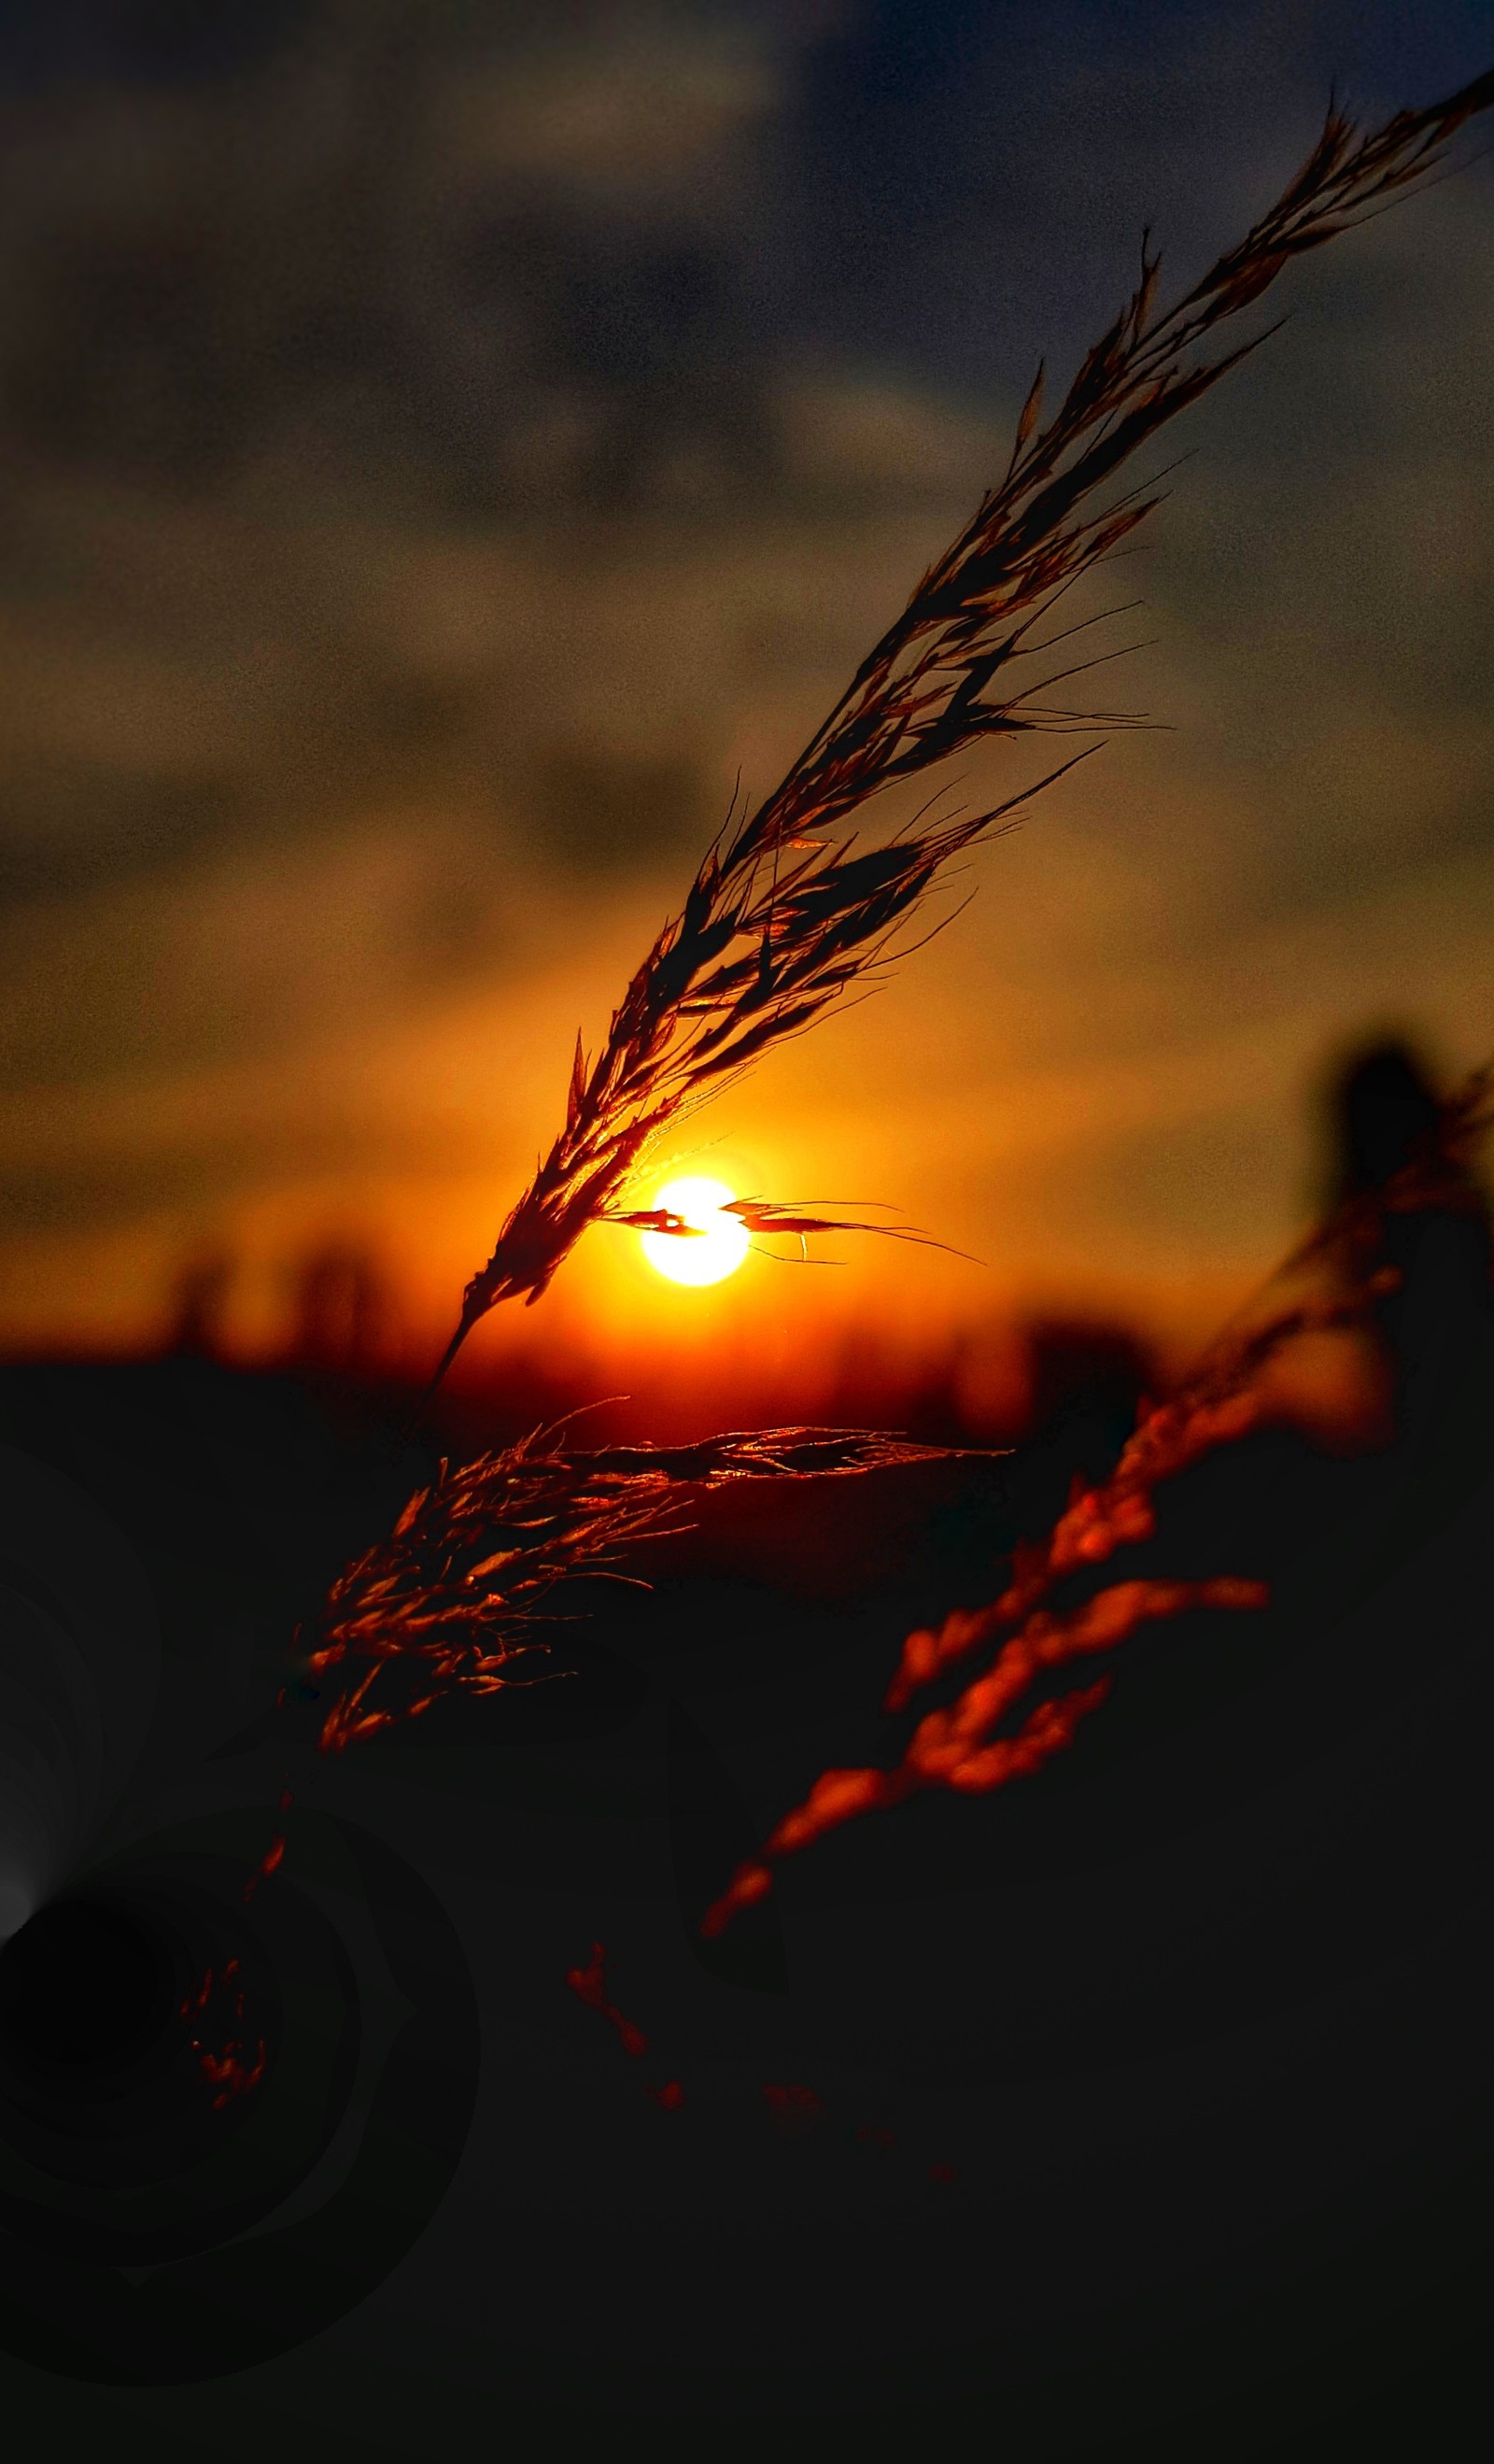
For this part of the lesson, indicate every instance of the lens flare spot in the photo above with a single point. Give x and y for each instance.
(714, 1250)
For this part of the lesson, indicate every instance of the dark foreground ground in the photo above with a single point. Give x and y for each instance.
(1144, 2109)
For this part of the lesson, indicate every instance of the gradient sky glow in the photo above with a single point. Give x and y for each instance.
(446, 444)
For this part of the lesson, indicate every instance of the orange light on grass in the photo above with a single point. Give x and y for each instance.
(712, 1250)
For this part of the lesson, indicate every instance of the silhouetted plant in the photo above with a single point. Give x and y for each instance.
(449, 1602)
(781, 922)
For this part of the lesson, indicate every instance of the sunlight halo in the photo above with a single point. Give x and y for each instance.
(721, 1244)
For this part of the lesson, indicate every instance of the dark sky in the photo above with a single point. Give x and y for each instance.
(444, 442)
(403, 225)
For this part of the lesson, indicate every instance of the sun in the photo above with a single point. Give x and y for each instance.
(714, 1252)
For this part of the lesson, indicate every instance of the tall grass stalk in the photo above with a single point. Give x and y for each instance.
(784, 919)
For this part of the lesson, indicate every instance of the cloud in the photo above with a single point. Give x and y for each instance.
(637, 121)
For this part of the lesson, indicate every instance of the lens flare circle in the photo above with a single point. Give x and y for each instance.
(721, 1242)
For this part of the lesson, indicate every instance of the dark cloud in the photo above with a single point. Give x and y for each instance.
(387, 239)
(977, 179)
(510, 257)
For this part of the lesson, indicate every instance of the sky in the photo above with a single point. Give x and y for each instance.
(446, 444)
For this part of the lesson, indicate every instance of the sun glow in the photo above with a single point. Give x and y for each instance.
(718, 1245)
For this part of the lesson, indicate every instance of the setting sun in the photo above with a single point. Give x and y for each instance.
(718, 1245)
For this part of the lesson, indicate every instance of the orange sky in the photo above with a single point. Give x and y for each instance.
(1099, 1080)
(344, 813)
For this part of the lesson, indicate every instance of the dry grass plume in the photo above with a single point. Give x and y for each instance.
(783, 918)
